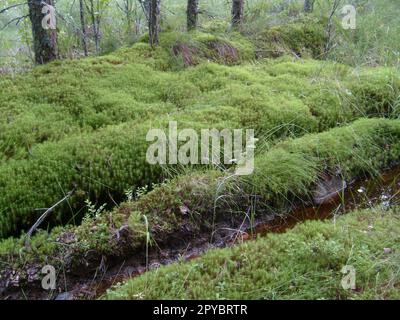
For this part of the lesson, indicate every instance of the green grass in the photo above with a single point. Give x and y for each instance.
(303, 263)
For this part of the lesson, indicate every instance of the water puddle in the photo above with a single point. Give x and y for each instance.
(364, 193)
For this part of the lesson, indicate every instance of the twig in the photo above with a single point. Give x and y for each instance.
(328, 29)
(17, 19)
(11, 7)
(44, 216)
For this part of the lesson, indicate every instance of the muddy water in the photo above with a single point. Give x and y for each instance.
(364, 193)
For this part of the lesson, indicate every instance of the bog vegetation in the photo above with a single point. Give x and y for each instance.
(323, 101)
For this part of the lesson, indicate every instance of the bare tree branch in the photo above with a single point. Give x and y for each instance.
(11, 7)
(17, 20)
(44, 216)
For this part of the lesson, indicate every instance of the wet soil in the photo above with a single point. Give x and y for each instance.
(367, 192)
(363, 193)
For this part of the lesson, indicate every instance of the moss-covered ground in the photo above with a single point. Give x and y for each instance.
(82, 125)
(304, 263)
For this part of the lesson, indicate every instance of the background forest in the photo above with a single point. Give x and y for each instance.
(124, 22)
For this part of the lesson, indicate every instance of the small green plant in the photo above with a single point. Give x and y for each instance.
(141, 191)
(92, 211)
(129, 194)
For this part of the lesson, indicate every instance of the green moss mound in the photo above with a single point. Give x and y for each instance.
(84, 123)
(303, 38)
(304, 263)
(191, 204)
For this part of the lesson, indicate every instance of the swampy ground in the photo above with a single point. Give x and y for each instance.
(324, 193)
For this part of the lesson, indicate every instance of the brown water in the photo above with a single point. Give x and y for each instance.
(364, 193)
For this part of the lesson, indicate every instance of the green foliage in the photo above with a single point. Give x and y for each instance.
(304, 38)
(304, 263)
(84, 123)
(292, 167)
(196, 200)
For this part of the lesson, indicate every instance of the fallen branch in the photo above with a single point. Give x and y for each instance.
(44, 216)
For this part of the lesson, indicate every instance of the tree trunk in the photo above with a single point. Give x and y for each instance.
(95, 30)
(83, 27)
(237, 12)
(308, 6)
(192, 14)
(44, 40)
(146, 7)
(154, 22)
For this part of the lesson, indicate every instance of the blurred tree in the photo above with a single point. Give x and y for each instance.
(146, 7)
(43, 30)
(83, 27)
(192, 14)
(129, 9)
(154, 22)
(237, 12)
(96, 9)
(309, 6)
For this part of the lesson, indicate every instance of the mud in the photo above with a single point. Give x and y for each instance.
(363, 193)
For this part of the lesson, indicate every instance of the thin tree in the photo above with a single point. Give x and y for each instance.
(154, 22)
(96, 35)
(83, 27)
(44, 37)
(128, 9)
(192, 14)
(145, 7)
(309, 6)
(329, 30)
(237, 12)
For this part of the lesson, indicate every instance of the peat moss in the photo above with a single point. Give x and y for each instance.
(84, 122)
(303, 38)
(191, 204)
(304, 263)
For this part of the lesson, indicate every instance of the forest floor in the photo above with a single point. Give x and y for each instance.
(328, 144)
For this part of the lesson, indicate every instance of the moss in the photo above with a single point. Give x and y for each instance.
(377, 90)
(303, 38)
(84, 122)
(304, 263)
(196, 47)
(191, 204)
